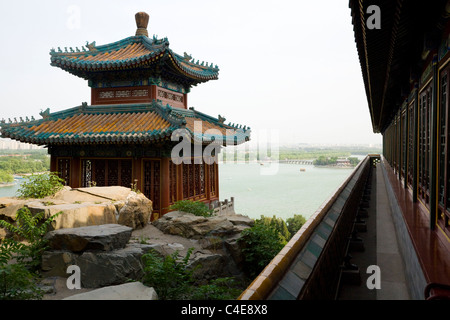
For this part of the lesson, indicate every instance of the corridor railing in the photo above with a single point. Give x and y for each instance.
(310, 265)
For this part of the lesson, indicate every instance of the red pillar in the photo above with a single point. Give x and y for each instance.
(165, 185)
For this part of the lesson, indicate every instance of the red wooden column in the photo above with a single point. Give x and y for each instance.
(165, 185)
(75, 174)
(208, 182)
(53, 164)
(216, 172)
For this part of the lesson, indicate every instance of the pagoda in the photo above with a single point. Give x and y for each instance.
(137, 116)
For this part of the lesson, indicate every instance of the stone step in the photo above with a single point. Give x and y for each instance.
(105, 237)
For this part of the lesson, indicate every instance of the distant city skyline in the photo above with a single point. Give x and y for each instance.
(8, 144)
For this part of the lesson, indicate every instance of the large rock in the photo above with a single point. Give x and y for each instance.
(190, 226)
(9, 207)
(126, 291)
(74, 215)
(207, 265)
(98, 268)
(136, 211)
(113, 193)
(105, 237)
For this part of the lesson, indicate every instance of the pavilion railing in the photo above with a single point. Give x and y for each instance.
(311, 263)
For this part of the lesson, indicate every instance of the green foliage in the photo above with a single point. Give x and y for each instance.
(218, 289)
(40, 186)
(6, 177)
(17, 283)
(197, 208)
(279, 225)
(323, 161)
(169, 276)
(20, 255)
(353, 161)
(260, 244)
(295, 223)
(31, 229)
(24, 161)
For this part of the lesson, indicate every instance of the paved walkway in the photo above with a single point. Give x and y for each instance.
(380, 249)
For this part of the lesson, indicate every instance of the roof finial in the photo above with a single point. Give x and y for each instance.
(142, 22)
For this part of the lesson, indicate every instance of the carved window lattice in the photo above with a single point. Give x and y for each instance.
(123, 94)
(139, 93)
(64, 170)
(410, 143)
(126, 173)
(424, 143)
(152, 182)
(106, 94)
(99, 172)
(188, 191)
(194, 184)
(113, 173)
(102, 172)
(86, 173)
(170, 96)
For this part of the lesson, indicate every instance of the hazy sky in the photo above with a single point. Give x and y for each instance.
(288, 67)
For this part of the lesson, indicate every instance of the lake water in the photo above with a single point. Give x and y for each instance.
(287, 192)
(273, 189)
(10, 191)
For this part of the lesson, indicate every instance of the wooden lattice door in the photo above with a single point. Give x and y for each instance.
(152, 182)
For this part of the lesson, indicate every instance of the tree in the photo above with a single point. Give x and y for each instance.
(295, 223)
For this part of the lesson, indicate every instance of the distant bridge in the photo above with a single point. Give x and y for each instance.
(310, 162)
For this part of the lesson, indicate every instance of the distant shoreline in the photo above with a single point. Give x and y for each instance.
(7, 184)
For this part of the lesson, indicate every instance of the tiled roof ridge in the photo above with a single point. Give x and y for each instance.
(156, 47)
(166, 112)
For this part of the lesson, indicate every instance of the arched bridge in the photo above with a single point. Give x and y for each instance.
(307, 162)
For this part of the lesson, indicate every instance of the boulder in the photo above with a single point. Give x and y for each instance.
(113, 193)
(75, 215)
(9, 207)
(189, 225)
(54, 263)
(98, 268)
(136, 211)
(105, 237)
(126, 291)
(206, 265)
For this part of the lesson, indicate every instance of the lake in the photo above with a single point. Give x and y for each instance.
(10, 191)
(287, 192)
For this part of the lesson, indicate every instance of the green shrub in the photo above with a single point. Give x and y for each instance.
(40, 186)
(295, 223)
(20, 260)
(6, 177)
(18, 283)
(260, 244)
(169, 276)
(31, 229)
(278, 224)
(197, 208)
(218, 289)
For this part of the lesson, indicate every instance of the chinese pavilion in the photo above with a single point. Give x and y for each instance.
(125, 137)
